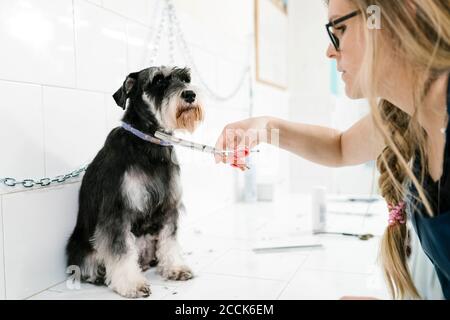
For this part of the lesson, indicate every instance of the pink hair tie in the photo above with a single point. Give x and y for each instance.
(397, 214)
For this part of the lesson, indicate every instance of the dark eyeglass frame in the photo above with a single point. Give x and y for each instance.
(334, 39)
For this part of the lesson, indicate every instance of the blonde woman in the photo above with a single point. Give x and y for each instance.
(401, 64)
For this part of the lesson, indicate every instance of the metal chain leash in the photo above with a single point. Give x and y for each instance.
(44, 182)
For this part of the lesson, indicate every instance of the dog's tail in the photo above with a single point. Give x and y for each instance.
(81, 255)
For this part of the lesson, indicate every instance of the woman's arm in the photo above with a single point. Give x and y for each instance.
(321, 145)
(327, 146)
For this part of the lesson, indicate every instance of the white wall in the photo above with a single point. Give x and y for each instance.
(311, 100)
(2, 261)
(309, 79)
(60, 62)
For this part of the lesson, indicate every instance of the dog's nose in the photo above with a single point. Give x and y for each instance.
(188, 96)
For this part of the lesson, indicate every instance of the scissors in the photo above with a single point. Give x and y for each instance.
(237, 153)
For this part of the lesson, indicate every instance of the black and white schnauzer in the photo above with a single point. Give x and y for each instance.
(130, 197)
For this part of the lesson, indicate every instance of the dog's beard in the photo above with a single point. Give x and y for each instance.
(188, 117)
(177, 114)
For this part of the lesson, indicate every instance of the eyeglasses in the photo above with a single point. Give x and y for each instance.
(332, 25)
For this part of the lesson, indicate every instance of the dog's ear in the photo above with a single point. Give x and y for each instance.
(129, 85)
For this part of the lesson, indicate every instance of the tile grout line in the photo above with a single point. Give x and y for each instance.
(291, 278)
(75, 57)
(339, 271)
(43, 131)
(105, 110)
(206, 50)
(53, 86)
(3, 244)
(219, 256)
(127, 54)
(142, 24)
(31, 83)
(44, 290)
(243, 277)
(51, 187)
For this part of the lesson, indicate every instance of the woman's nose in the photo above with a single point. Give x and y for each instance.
(331, 52)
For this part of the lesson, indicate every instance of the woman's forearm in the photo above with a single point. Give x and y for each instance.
(314, 143)
(321, 145)
(327, 146)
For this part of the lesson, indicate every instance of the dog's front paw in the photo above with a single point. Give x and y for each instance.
(178, 273)
(139, 288)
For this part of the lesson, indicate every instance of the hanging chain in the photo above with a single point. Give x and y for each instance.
(175, 26)
(152, 31)
(44, 182)
(170, 36)
(158, 36)
(169, 20)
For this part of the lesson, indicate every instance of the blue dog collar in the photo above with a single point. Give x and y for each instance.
(144, 136)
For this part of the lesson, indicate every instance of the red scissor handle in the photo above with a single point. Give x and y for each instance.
(241, 153)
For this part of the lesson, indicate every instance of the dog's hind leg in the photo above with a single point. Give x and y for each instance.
(120, 255)
(171, 264)
(93, 270)
(146, 245)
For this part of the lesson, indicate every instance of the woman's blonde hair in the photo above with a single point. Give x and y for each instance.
(419, 33)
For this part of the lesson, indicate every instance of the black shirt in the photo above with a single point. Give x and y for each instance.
(434, 232)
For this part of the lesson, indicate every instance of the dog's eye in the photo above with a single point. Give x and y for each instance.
(158, 80)
(186, 79)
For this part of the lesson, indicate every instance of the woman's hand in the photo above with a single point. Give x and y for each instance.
(241, 135)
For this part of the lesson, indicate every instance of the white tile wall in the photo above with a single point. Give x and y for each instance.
(2, 261)
(96, 2)
(37, 226)
(138, 46)
(101, 47)
(113, 112)
(21, 132)
(40, 46)
(228, 77)
(311, 101)
(137, 10)
(207, 67)
(214, 29)
(75, 128)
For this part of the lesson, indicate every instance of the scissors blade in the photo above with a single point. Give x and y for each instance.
(201, 147)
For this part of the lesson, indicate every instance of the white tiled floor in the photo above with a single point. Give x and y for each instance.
(219, 249)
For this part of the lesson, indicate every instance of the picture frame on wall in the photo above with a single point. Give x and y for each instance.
(271, 42)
